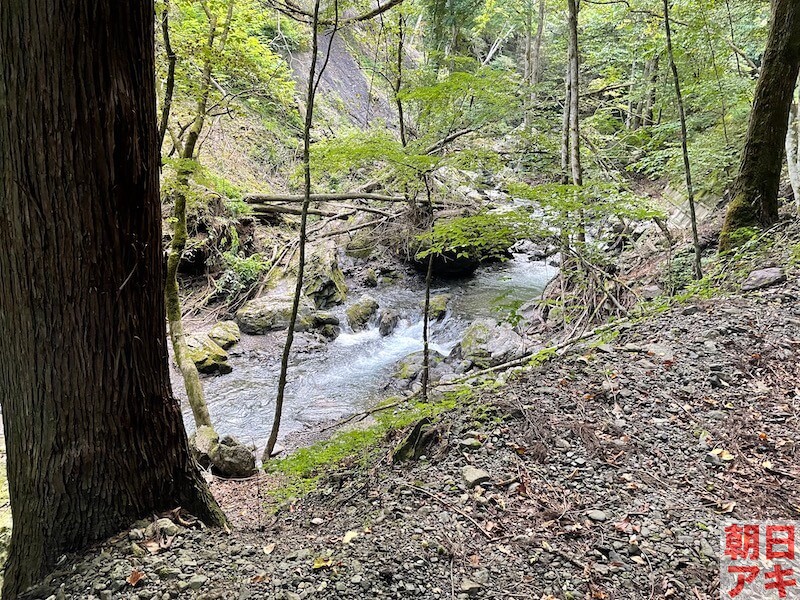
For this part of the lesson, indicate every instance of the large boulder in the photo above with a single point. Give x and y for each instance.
(361, 245)
(273, 311)
(360, 313)
(207, 355)
(225, 334)
(324, 280)
(230, 458)
(486, 344)
(226, 456)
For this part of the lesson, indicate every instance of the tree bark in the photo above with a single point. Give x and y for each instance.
(95, 438)
(186, 166)
(574, 95)
(754, 197)
(565, 121)
(687, 168)
(793, 151)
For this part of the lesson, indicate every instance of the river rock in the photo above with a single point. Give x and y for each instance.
(201, 442)
(225, 334)
(231, 458)
(226, 456)
(273, 311)
(207, 355)
(487, 344)
(360, 313)
(361, 245)
(763, 278)
(409, 369)
(388, 322)
(438, 306)
(324, 279)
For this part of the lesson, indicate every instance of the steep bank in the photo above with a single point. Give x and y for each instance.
(607, 473)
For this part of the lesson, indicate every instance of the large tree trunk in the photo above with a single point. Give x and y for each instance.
(95, 438)
(754, 198)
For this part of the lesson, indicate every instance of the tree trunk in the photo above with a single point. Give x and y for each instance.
(565, 121)
(793, 151)
(186, 166)
(754, 198)
(574, 96)
(650, 100)
(687, 168)
(95, 438)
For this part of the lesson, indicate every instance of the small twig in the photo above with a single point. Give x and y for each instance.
(451, 507)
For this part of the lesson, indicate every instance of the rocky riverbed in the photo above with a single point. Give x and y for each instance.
(605, 473)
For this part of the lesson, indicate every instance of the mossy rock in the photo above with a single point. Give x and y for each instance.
(438, 306)
(273, 312)
(225, 334)
(487, 344)
(361, 245)
(410, 367)
(207, 355)
(325, 285)
(360, 313)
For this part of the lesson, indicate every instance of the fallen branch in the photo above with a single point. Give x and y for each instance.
(518, 362)
(360, 416)
(266, 209)
(261, 198)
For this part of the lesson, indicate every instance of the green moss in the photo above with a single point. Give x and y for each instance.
(438, 306)
(359, 314)
(303, 469)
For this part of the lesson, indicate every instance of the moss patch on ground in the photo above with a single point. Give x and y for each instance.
(301, 472)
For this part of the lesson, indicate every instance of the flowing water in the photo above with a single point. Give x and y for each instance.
(351, 373)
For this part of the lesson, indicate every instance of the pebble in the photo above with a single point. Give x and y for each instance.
(474, 476)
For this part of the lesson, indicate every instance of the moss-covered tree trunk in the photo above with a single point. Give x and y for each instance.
(754, 197)
(95, 438)
(191, 377)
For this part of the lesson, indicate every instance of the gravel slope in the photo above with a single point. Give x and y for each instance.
(608, 474)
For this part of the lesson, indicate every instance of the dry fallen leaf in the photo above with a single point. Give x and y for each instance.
(322, 562)
(269, 548)
(135, 577)
(349, 536)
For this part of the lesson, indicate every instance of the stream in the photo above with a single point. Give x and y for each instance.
(336, 379)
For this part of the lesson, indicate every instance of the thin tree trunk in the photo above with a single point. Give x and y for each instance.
(191, 377)
(754, 197)
(698, 271)
(534, 58)
(314, 79)
(169, 89)
(574, 96)
(536, 55)
(566, 119)
(629, 120)
(426, 354)
(95, 438)
(793, 151)
(399, 81)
